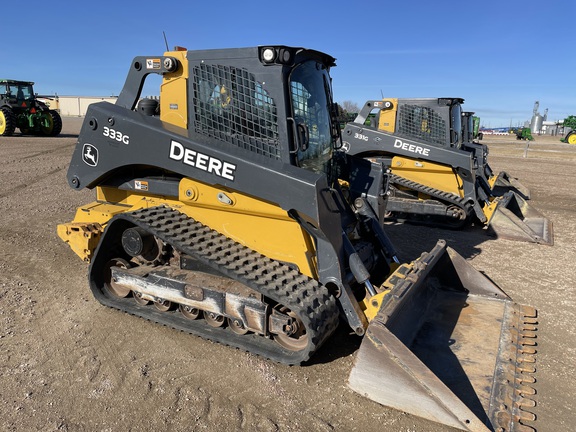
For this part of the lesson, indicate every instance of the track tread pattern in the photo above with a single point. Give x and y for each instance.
(445, 198)
(312, 302)
(435, 193)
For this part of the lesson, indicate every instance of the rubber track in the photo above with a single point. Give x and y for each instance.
(305, 296)
(437, 194)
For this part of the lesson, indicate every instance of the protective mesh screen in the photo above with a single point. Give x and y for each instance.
(422, 123)
(231, 106)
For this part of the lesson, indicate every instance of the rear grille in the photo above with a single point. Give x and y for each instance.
(421, 123)
(231, 106)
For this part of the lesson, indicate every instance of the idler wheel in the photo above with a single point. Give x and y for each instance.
(236, 326)
(213, 319)
(138, 297)
(189, 311)
(294, 337)
(110, 284)
(163, 305)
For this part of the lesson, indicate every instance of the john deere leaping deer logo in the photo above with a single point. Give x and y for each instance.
(90, 155)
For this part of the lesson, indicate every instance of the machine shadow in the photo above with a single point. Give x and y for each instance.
(411, 240)
(343, 343)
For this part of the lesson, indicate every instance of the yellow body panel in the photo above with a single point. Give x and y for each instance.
(492, 181)
(173, 103)
(387, 120)
(372, 305)
(489, 209)
(431, 174)
(81, 237)
(261, 226)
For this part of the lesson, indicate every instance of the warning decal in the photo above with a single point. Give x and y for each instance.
(140, 185)
(153, 63)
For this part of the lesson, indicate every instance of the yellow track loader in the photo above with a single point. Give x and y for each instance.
(219, 211)
(436, 178)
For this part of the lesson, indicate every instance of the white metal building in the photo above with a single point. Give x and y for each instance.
(74, 106)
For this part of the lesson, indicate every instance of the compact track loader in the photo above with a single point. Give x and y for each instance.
(224, 212)
(435, 177)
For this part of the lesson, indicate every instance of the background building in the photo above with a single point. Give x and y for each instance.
(74, 106)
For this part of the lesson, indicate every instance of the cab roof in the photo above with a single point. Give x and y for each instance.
(9, 81)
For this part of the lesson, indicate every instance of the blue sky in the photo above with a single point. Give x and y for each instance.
(500, 56)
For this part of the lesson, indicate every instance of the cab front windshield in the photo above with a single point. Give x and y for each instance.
(311, 102)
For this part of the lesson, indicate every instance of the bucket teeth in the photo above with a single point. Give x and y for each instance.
(529, 311)
(529, 342)
(526, 390)
(525, 416)
(504, 418)
(523, 341)
(511, 403)
(527, 369)
(526, 403)
(529, 334)
(527, 359)
(525, 379)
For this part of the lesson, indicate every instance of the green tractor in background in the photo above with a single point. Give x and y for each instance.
(524, 134)
(570, 122)
(477, 134)
(19, 108)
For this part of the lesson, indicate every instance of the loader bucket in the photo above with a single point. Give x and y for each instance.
(450, 346)
(515, 219)
(505, 182)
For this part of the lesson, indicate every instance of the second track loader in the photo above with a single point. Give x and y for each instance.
(220, 213)
(435, 178)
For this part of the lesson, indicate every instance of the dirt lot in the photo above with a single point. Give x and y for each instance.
(67, 363)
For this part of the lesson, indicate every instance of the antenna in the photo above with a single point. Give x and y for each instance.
(382, 93)
(165, 40)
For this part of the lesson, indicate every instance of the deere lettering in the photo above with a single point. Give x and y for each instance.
(201, 161)
(412, 148)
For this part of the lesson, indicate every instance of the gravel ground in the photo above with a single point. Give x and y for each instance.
(67, 363)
